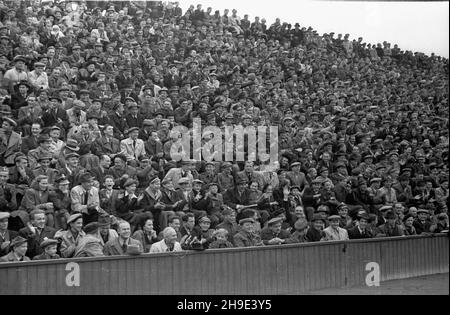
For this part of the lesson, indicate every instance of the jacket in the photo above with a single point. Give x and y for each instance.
(245, 239)
(267, 234)
(113, 247)
(11, 257)
(131, 151)
(68, 242)
(34, 241)
(103, 146)
(89, 246)
(146, 240)
(354, 233)
(332, 234)
(161, 247)
(8, 150)
(77, 199)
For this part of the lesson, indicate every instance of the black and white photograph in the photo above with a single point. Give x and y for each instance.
(224, 153)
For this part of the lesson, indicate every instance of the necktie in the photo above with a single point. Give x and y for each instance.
(124, 247)
(86, 196)
(134, 147)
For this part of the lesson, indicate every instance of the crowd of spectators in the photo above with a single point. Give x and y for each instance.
(91, 90)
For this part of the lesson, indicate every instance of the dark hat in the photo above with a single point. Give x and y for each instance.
(241, 180)
(342, 205)
(104, 220)
(72, 155)
(130, 182)
(423, 211)
(62, 179)
(44, 138)
(390, 215)
(54, 97)
(317, 217)
(17, 241)
(85, 178)
(367, 155)
(91, 227)
(45, 156)
(48, 242)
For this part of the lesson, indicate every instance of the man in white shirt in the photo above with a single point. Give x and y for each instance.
(334, 232)
(38, 77)
(16, 74)
(85, 199)
(168, 244)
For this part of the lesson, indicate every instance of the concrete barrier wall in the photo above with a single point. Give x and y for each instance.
(287, 269)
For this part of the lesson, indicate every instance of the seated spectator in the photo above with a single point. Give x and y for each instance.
(124, 244)
(334, 232)
(246, 236)
(19, 249)
(221, 239)
(408, 226)
(89, 245)
(273, 234)
(69, 239)
(423, 224)
(146, 234)
(315, 232)
(360, 230)
(300, 229)
(203, 233)
(36, 231)
(106, 233)
(168, 244)
(390, 228)
(49, 246)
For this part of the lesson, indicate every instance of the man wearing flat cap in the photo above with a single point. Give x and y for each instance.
(273, 234)
(423, 224)
(49, 246)
(44, 142)
(361, 229)
(334, 232)
(19, 248)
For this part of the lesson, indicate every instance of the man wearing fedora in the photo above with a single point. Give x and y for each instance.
(123, 244)
(19, 249)
(315, 231)
(10, 141)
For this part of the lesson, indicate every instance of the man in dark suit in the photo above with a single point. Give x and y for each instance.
(134, 118)
(118, 121)
(35, 232)
(10, 141)
(123, 244)
(360, 230)
(106, 145)
(238, 197)
(55, 115)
